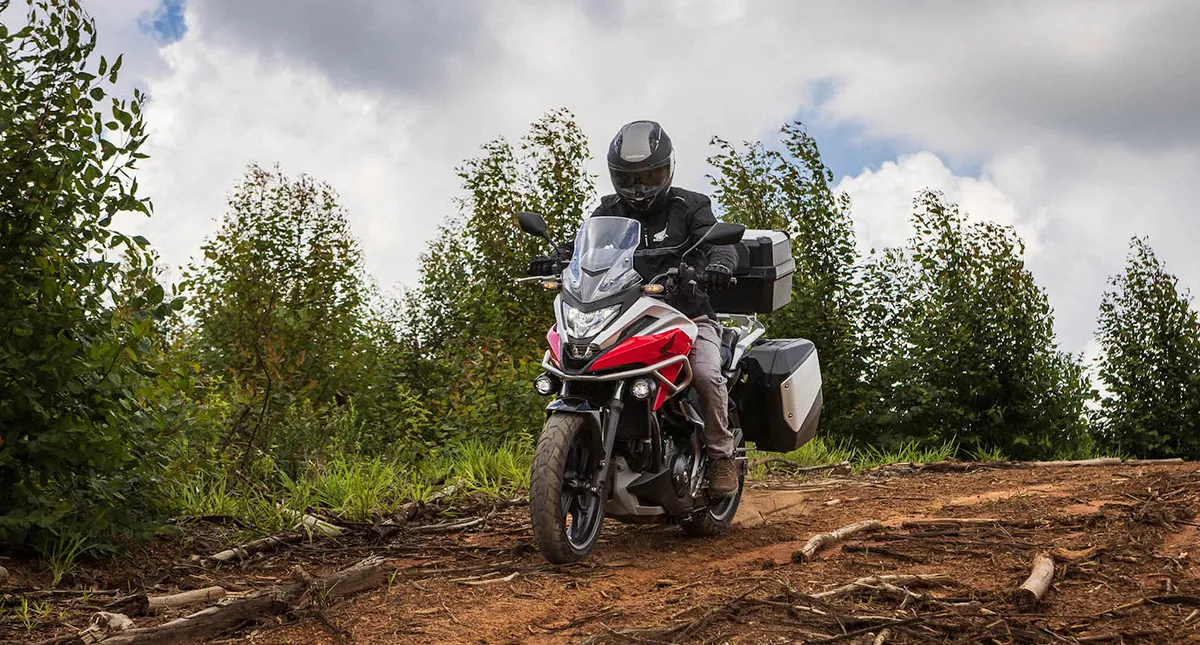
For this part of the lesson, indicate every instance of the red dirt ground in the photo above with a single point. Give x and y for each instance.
(651, 584)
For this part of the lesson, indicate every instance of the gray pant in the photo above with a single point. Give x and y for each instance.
(710, 383)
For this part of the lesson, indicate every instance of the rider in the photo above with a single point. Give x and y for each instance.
(641, 163)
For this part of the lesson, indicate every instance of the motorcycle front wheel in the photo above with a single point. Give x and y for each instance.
(565, 513)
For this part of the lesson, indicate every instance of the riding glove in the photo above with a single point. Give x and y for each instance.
(719, 276)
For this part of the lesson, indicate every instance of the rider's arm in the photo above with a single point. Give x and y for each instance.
(723, 254)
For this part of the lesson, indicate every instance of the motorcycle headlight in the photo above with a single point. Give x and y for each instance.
(582, 324)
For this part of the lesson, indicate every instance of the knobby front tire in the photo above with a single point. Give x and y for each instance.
(565, 514)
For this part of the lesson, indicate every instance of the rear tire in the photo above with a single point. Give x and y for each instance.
(566, 516)
(717, 518)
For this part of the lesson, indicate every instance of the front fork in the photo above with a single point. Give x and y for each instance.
(608, 438)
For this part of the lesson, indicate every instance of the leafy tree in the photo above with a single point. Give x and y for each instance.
(79, 303)
(1150, 362)
(473, 338)
(279, 308)
(963, 344)
(791, 190)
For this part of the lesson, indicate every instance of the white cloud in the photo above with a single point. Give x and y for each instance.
(882, 199)
(1080, 119)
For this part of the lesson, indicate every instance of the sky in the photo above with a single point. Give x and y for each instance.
(1077, 122)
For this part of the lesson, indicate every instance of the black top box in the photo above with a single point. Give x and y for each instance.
(764, 275)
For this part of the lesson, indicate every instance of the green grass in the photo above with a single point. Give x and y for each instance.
(826, 452)
(61, 555)
(358, 488)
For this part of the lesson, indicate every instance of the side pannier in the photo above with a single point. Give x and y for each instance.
(780, 394)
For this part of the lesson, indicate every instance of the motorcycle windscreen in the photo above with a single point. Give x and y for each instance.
(603, 261)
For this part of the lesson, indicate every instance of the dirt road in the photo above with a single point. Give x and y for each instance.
(655, 578)
(1126, 569)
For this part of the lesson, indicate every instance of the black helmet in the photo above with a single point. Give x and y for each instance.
(641, 162)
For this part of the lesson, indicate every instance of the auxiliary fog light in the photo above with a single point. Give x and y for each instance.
(641, 389)
(544, 384)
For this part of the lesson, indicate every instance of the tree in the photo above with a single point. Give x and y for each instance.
(963, 342)
(279, 308)
(1150, 362)
(791, 190)
(79, 303)
(472, 338)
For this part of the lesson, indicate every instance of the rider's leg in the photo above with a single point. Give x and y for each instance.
(710, 384)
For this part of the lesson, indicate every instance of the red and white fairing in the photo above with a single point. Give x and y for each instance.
(600, 271)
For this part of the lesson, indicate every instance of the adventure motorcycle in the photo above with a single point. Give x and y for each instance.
(623, 437)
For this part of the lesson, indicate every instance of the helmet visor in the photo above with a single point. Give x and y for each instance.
(641, 183)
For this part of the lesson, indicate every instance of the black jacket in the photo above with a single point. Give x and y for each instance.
(682, 220)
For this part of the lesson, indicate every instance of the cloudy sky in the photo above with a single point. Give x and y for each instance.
(1077, 122)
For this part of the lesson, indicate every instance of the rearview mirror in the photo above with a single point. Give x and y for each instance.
(723, 233)
(533, 224)
(719, 234)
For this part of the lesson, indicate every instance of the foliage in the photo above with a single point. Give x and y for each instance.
(472, 339)
(79, 303)
(1150, 362)
(963, 345)
(791, 190)
(279, 309)
(359, 488)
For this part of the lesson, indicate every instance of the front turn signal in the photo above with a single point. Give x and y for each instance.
(551, 285)
(653, 289)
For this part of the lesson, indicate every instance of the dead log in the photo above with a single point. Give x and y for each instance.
(313, 524)
(134, 605)
(895, 580)
(1038, 583)
(194, 597)
(822, 540)
(57, 640)
(214, 621)
(248, 549)
(1103, 461)
(1153, 462)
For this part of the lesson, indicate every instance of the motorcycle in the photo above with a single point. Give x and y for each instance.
(623, 437)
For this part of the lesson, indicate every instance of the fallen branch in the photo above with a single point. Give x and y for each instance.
(313, 524)
(1035, 587)
(897, 580)
(1153, 462)
(194, 597)
(1170, 599)
(1068, 555)
(213, 621)
(841, 468)
(248, 549)
(822, 540)
(1102, 461)
(478, 583)
(447, 527)
(446, 492)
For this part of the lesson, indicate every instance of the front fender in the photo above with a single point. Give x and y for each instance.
(585, 409)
